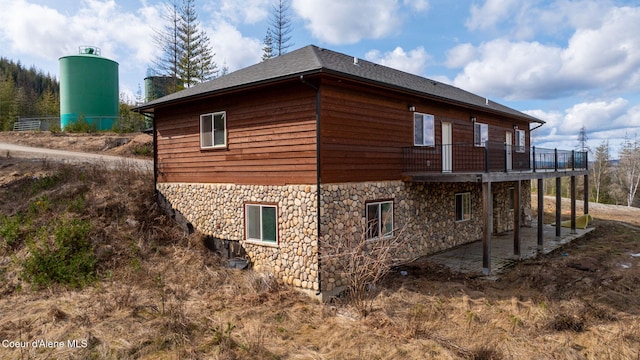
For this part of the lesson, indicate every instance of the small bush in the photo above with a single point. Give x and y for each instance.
(142, 150)
(68, 259)
(81, 126)
(10, 229)
(564, 322)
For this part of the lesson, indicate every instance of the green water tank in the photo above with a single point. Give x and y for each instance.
(89, 89)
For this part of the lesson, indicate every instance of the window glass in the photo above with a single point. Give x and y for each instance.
(480, 134)
(219, 129)
(387, 217)
(423, 129)
(206, 138)
(463, 206)
(253, 222)
(269, 223)
(373, 220)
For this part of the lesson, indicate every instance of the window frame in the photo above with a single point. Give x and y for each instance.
(247, 224)
(520, 139)
(461, 196)
(428, 139)
(213, 130)
(379, 221)
(480, 134)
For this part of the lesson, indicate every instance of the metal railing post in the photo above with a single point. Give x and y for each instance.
(533, 148)
(573, 159)
(555, 151)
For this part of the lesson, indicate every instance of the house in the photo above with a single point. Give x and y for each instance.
(314, 146)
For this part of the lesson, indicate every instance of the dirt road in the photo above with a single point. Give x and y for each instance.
(20, 151)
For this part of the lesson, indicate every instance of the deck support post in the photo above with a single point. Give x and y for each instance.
(516, 219)
(586, 194)
(558, 208)
(540, 215)
(573, 204)
(486, 228)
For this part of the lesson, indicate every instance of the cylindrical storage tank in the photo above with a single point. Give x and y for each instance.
(89, 89)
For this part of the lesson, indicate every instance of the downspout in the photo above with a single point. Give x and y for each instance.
(318, 180)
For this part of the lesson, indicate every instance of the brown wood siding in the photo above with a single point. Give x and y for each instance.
(271, 139)
(363, 131)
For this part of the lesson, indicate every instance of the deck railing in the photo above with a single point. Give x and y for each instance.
(491, 157)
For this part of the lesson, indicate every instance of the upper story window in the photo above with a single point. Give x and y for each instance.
(213, 130)
(423, 130)
(520, 141)
(480, 134)
(379, 219)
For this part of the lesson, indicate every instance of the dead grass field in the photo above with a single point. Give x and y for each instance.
(161, 295)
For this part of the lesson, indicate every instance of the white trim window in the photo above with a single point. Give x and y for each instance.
(213, 130)
(480, 134)
(463, 206)
(520, 141)
(379, 219)
(261, 222)
(423, 130)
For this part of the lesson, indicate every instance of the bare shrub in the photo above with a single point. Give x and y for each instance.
(364, 263)
(564, 322)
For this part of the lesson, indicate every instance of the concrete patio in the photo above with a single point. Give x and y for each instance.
(468, 258)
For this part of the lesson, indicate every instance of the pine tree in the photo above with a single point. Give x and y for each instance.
(267, 49)
(196, 57)
(280, 28)
(169, 42)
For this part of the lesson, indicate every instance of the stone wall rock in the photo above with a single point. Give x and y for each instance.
(217, 210)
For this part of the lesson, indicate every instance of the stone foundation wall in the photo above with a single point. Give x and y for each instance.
(218, 210)
(424, 212)
(502, 210)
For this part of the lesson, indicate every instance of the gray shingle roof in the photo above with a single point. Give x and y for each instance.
(312, 59)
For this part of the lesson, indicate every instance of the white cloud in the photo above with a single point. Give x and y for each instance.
(413, 62)
(47, 33)
(417, 5)
(232, 48)
(243, 11)
(610, 120)
(491, 13)
(605, 58)
(347, 22)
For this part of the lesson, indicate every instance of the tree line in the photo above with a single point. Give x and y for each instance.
(611, 181)
(26, 92)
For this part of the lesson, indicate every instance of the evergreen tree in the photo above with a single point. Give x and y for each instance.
(280, 29)
(7, 100)
(196, 57)
(267, 49)
(168, 41)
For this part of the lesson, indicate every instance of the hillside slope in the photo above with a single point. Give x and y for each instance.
(152, 293)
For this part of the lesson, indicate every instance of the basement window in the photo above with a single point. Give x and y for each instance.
(379, 219)
(261, 222)
(213, 130)
(463, 206)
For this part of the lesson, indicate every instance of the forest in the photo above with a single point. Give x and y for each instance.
(26, 92)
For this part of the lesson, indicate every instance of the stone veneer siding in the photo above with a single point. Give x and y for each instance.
(426, 212)
(502, 212)
(218, 210)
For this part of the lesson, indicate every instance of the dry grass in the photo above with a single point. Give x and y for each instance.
(161, 295)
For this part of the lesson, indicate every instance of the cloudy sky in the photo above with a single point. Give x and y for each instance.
(568, 62)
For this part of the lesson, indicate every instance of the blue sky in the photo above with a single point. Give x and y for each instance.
(568, 62)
